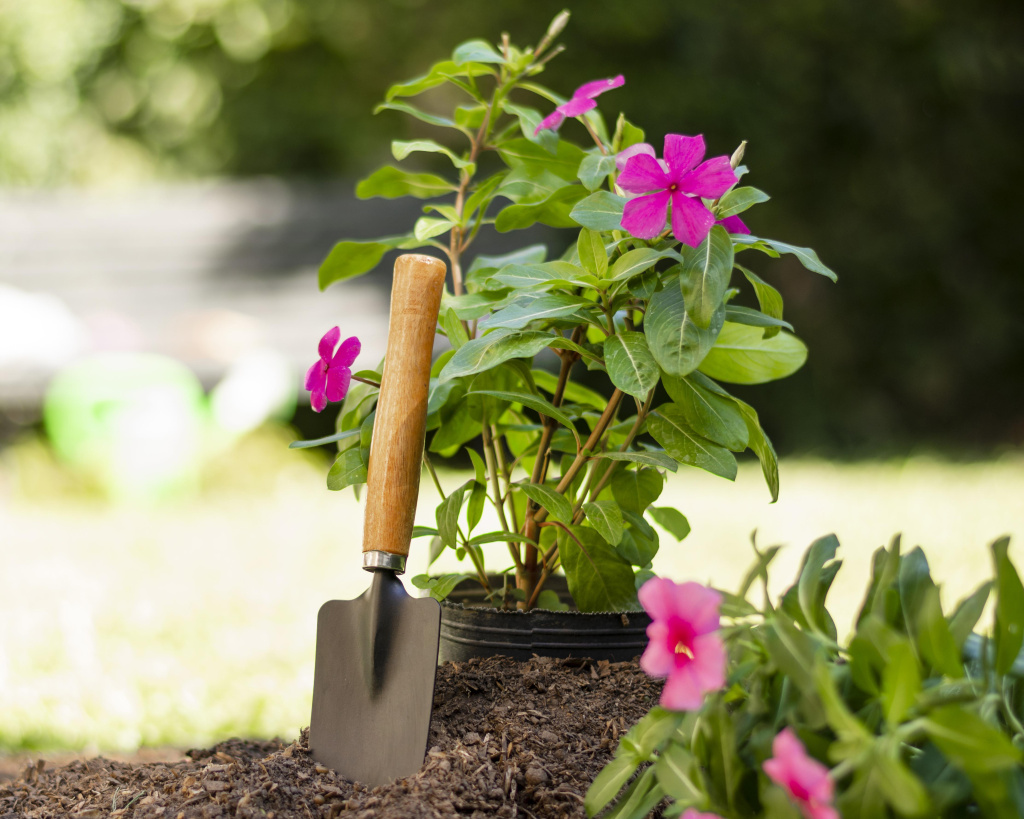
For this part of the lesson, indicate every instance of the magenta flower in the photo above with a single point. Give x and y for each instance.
(733, 224)
(686, 180)
(690, 813)
(328, 378)
(805, 779)
(582, 100)
(682, 643)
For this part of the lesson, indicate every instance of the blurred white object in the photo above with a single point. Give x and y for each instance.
(38, 332)
(258, 386)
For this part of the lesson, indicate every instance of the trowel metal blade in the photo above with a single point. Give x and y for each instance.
(373, 684)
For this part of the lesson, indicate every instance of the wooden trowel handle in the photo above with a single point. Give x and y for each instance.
(393, 481)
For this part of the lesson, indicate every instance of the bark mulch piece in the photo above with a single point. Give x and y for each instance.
(507, 740)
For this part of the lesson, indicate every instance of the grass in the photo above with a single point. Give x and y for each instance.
(189, 622)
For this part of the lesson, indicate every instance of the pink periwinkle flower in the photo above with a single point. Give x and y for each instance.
(581, 101)
(682, 643)
(690, 813)
(805, 779)
(329, 377)
(682, 180)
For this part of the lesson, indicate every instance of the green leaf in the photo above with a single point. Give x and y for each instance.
(400, 149)
(349, 259)
(427, 227)
(447, 515)
(329, 439)
(413, 111)
(454, 329)
(742, 355)
(738, 200)
(671, 520)
(631, 367)
(439, 74)
(969, 742)
(793, 652)
(811, 590)
(543, 276)
(705, 274)
(807, 257)
(565, 163)
(441, 586)
(475, 506)
(679, 775)
(574, 392)
(476, 51)
(529, 119)
(557, 505)
(640, 542)
(967, 614)
(531, 254)
(549, 600)
(650, 458)
(590, 248)
(1009, 609)
(526, 309)
(599, 211)
(606, 519)
(536, 403)
(761, 446)
(348, 470)
(633, 262)
(608, 783)
(495, 347)
(668, 425)
(635, 490)
(599, 578)
(390, 183)
(901, 683)
(553, 211)
(922, 610)
(709, 410)
(594, 169)
(677, 343)
(738, 314)
(767, 296)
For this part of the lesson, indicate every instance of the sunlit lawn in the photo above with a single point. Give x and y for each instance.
(187, 623)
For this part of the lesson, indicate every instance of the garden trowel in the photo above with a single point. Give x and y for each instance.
(376, 656)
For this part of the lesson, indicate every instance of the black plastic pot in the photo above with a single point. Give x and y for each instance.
(470, 628)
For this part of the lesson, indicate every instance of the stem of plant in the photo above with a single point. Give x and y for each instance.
(433, 474)
(366, 381)
(490, 458)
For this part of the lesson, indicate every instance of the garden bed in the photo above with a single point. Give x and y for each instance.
(507, 739)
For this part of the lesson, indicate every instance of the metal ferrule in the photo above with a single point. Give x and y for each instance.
(374, 561)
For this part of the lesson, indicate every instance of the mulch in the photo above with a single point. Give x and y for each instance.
(508, 739)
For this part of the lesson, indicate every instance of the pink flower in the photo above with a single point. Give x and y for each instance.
(328, 378)
(733, 224)
(582, 100)
(690, 813)
(683, 184)
(682, 643)
(805, 779)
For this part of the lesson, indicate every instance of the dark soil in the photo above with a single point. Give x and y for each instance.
(507, 739)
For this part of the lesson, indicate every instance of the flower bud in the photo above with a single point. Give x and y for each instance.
(556, 28)
(737, 155)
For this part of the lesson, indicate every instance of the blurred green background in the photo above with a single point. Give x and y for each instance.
(888, 134)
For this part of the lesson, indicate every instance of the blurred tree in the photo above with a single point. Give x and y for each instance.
(887, 132)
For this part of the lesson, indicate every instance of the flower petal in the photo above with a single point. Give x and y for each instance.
(552, 121)
(682, 691)
(593, 89)
(623, 156)
(642, 174)
(329, 342)
(347, 352)
(682, 153)
(816, 811)
(691, 221)
(709, 661)
(659, 657)
(315, 376)
(338, 379)
(659, 597)
(698, 605)
(577, 106)
(709, 179)
(733, 224)
(644, 217)
(318, 399)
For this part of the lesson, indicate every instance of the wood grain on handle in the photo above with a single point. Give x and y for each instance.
(396, 450)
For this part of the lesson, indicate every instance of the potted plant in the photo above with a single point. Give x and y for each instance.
(648, 299)
(767, 712)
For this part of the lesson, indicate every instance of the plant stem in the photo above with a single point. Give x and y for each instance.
(505, 472)
(581, 458)
(366, 381)
(433, 474)
(491, 460)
